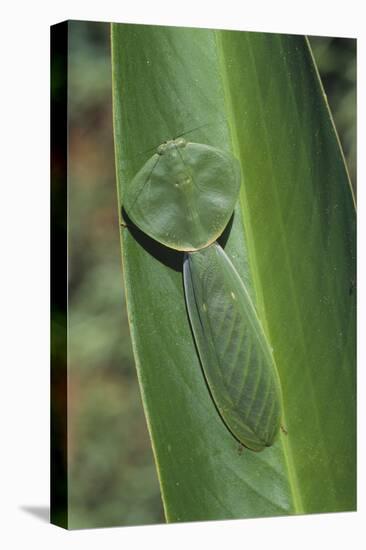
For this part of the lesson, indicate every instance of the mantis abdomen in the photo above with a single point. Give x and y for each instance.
(234, 352)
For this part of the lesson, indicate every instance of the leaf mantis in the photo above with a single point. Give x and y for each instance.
(183, 197)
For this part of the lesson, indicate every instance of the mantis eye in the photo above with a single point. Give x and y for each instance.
(180, 142)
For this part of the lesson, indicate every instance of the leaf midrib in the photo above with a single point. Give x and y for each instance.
(286, 448)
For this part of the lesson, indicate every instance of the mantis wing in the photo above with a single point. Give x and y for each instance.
(235, 355)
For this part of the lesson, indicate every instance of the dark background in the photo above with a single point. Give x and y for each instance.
(112, 477)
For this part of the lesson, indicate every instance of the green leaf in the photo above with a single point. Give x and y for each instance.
(292, 240)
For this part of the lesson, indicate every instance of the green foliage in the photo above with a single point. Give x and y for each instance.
(111, 475)
(292, 242)
(337, 64)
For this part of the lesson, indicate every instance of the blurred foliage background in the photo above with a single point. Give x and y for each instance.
(337, 64)
(112, 477)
